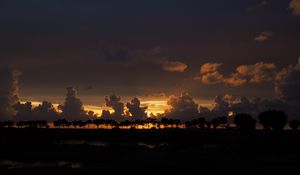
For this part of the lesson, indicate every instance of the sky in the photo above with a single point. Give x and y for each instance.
(150, 49)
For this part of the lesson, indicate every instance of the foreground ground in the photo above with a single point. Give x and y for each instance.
(168, 151)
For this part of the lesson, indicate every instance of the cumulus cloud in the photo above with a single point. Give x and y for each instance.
(182, 107)
(225, 104)
(287, 85)
(209, 73)
(44, 111)
(114, 102)
(263, 36)
(136, 110)
(9, 96)
(73, 108)
(174, 66)
(235, 80)
(24, 111)
(256, 73)
(295, 6)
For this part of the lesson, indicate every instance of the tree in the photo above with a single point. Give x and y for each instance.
(200, 122)
(78, 123)
(244, 122)
(21, 124)
(219, 121)
(165, 122)
(62, 123)
(8, 124)
(273, 119)
(294, 124)
(98, 122)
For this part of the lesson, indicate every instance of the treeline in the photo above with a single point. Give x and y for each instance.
(270, 120)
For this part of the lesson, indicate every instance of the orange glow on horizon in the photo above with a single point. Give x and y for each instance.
(154, 107)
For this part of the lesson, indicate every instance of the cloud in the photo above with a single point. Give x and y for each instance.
(44, 111)
(136, 110)
(209, 73)
(24, 111)
(9, 95)
(210, 67)
(263, 36)
(287, 85)
(256, 73)
(157, 95)
(295, 6)
(235, 80)
(287, 80)
(174, 66)
(225, 104)
(73, 108)
(182, 107)
(114, 102)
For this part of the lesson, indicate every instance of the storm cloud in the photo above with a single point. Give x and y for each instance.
(44, 111)
(115, 103)
(9, 93)
(182, 107)
(135, 109)
(287, 85)
(73, 109)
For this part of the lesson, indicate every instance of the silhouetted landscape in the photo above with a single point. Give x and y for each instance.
(199, 145)
(149, 87)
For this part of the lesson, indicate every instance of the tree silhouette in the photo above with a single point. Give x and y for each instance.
(98, 122)
(126, 123)
(150, 121)
(88, 123)
(8, 124)
(165, 122)
(78, 123)
(219, 121)
(244, 122)
(61, 123)
(21, 124)
(294, 124)
(273, 119)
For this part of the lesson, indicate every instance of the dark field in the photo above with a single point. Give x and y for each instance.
(166, 151)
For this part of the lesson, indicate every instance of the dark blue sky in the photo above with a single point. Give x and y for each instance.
(122, 46)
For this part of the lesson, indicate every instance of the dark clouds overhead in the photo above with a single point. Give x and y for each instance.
(141, 47)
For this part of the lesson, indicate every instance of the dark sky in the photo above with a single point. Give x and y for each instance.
(132, 47)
